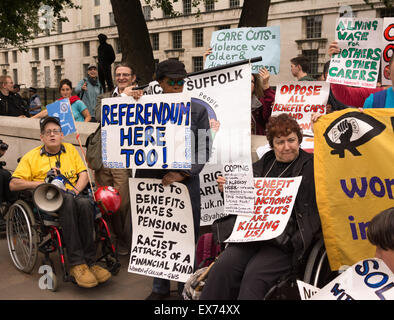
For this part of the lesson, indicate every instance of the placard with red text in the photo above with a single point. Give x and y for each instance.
(301, 99)
(273, 203)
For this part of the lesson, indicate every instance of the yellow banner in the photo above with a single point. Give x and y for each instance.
(354, 174)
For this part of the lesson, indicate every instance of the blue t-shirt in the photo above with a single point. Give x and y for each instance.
(389, 100)
(77, 108)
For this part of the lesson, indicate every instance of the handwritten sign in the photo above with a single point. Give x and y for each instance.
(211, 199)
(153, 132)
(163, 233)
(274, 201)
(62, 110)
(368, 279)
(238, 189)
(357, 63)
(300, 100)
(388, 49)
(232, 45)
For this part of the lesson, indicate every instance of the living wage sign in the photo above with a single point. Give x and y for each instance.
(153, 132)
(232, 45)
(354, 178)
(357, 63)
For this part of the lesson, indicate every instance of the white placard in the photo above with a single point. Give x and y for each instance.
(153, 132)
(274, 201)
(300, 100)
(163, 231)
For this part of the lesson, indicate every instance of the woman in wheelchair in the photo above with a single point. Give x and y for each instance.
(76, 214)
(247, 271)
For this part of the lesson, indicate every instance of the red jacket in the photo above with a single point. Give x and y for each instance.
(261, 115)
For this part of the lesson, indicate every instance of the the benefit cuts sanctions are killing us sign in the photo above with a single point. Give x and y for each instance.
(153, 132)
(274, 201)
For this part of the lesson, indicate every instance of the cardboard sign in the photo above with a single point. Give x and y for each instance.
(388, 49)
(238, 189)
(354, 157)
(357, 63)
(300, 100)
(232, 45)
(368, 279)
(153, 132)
(62, 110)
(274, 201)
(163, 233)
(212, 203)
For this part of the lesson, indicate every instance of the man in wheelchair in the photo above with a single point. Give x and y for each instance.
(76, 215)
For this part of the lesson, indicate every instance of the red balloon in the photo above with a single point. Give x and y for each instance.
(108, 199)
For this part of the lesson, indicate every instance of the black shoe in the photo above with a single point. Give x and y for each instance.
(157, 296)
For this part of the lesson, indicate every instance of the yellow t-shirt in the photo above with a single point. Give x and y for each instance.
(35, 164)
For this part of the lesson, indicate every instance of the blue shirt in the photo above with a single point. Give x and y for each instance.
(77, 108)
(389, 100)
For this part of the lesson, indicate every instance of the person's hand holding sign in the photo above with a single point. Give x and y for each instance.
(172, 176)
(265, 77)
(221, 181)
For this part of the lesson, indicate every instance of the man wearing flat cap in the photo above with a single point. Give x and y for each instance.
(171, 74)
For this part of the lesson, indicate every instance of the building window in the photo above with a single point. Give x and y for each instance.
(234, 3)
(313, 56)
(59, 26)
(118, 48)
(58, 74)
(146, 10)
(224, 27)
(387, 12)
(154, 38)
(209, 5)
(198, 37)
(177, 39)
(36, 54)
(187, 7)
(198, 64)
(313, 27)
(112, 19)
(85, 67)
(15, 56)
(86, 49)
(59, 51)
(34, 77)
(46, 53)
(5, 54)
(96, 3)
(47, 73)
(96, 21)
(15, 75)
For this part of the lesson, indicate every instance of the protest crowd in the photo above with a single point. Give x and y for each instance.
(166, 193)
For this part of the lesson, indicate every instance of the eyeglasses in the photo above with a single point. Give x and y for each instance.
(56, 132)
(118, 75)
(172, 83)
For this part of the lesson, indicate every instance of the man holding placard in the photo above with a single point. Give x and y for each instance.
(171, 74)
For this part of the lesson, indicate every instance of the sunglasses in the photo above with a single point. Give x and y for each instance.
(172, 83)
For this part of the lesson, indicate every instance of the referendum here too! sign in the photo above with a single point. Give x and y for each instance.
(301, 99)
(360, 42)
(232, 45)
(153, 132)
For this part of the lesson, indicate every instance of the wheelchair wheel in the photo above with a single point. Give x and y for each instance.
(22, 236)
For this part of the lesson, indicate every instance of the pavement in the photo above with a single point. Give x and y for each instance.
(16, 285)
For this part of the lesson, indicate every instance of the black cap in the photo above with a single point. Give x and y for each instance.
(46, 120)
(33, 89)
(170, 68)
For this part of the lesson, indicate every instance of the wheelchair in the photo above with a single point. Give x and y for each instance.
(31, 231)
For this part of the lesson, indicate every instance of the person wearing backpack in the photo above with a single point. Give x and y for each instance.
(88, 89)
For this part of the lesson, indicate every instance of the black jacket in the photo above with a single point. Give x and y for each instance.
(12, 106)
(305, 209)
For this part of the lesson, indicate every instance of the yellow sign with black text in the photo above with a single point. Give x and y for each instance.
(354, 176)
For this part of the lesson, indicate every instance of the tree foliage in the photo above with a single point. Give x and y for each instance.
(20, 20)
